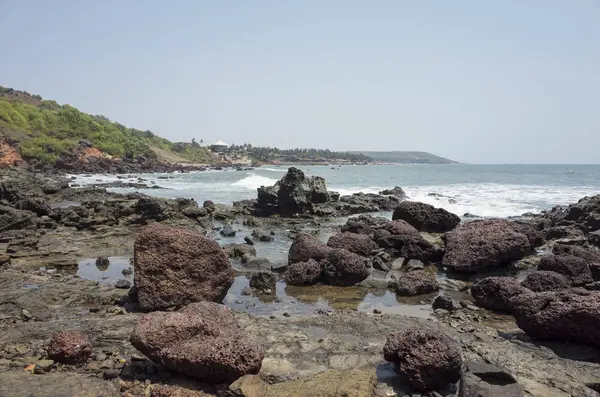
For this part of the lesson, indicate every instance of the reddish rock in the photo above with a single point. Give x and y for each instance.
(497, 293)
(482, 244)
(543, 280)
(429, 360)
(306, 247)
(174, 267)
(342, 267)
(575, 269)
(203, 341)
(425, 217)
(416, 283)
(364, 224)
(69, 347)
(360, 244)
(407, 241)
(565, 316)
(304, 273)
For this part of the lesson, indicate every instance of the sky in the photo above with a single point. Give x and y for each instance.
(511, 81)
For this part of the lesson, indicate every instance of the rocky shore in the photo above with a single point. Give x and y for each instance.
(514, 307)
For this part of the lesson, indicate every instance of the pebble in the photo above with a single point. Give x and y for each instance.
(123, 284)
(376, 311)
(286, 314)
(106, 364)
(26, 315)
(45, 365)
(111, 373)
(127, 271)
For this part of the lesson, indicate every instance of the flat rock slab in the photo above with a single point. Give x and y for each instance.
(63, 384)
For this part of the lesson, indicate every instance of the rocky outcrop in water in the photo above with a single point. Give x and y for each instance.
(175, 267)
(306, 247)
(575, 269)
(403, 240)
(304, 273)
(342, 267)
(425, 217)
(497, 293)
(566, 316)
(542, 280)
(416, 283)
(360, 244)
(429, 360)
(484, 244)
(203, 341)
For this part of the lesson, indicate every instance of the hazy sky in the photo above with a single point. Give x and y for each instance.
(476, 81)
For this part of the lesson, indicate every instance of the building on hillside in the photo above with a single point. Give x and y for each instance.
(219, 146)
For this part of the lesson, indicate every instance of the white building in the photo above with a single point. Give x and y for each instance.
(219, 146)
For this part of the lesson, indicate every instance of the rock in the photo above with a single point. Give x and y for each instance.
(543, 280)
(304, 273)
(407, 241)
(482, 244)
(37, 205)
(174, 267)
(103, 262)
(111, 373)
(429, 360)
(57, 384)
(497, 293)
(594, 238)
(425, 217)
(417, 282)
(151, 208)
(263, 281)
(175, 391)
(306, 247)
(227, 231)
(590, 255)
(248, 240)
(396, 191)
(194, 212)
(443, 302)
(380, 264)
(414, 264)
(237, 251)
(360, 244)
(364, 224)
(565, 316)
(203, 341)
(575, 269)
(585, 213)
(69, 347)
(262, 235)
(123, 284)
(488, 380)
(342, 267)
(209, 205)
(127, 272)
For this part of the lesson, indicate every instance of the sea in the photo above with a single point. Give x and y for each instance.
(477, 190)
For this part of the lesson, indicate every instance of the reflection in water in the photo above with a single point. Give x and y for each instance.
(91, 269)
(335, 297)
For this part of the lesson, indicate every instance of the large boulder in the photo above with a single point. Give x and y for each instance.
(364, 224)
(542, 280)
(174, 267)
(294, 194)
(575, 269)
(497, 293)
(416, 283)
(69, 347)
(11, 218)
(360, 244)
(482, 244)
(304, 273)
(396, 191)
(203, 341)
(407, 242)
(342, 267)
(565, 316)
(425, 217)
(488, 380)
(585, 213)
(306, 247)
(590, 255)
(429, 360)
(38, 205)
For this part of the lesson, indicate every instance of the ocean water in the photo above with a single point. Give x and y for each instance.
(480, 190)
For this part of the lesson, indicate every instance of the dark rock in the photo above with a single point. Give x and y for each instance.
(497, 293)
(37, 205)
(174, 267)
(594, 238)
(364, 224)
(306, 247)
(263, 281)
(248, 240)
(262, 235)
(414, 264)
(237, 251)
(590, 255)
(103, 262)
(443, 302)
(379, 264)
(408, 242)
(151, 208)
(304, 273)
(11, 218)
(565, 316)
(482, 244)
(227, 231)
(85, 143)
(488, 380)
(360, 244)
(425, 217)
(560, 232)
(416, 283)
(194, 212)
(429, 360)
(575, 269)
(396, 191)
(543, 280)
(342, 267)
(123, 284)
(69, 347)
(585, 213)
(535, 236)
(250, 261)
(209, 205)
(111, 373)
(203, 340)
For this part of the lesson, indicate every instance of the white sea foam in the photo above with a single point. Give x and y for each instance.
(253, 181)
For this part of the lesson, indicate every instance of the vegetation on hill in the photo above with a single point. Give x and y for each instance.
(267, 154)
(46, 130)
(407, 157)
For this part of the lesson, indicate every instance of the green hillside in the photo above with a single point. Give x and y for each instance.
(402, 157)
(44, 130)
